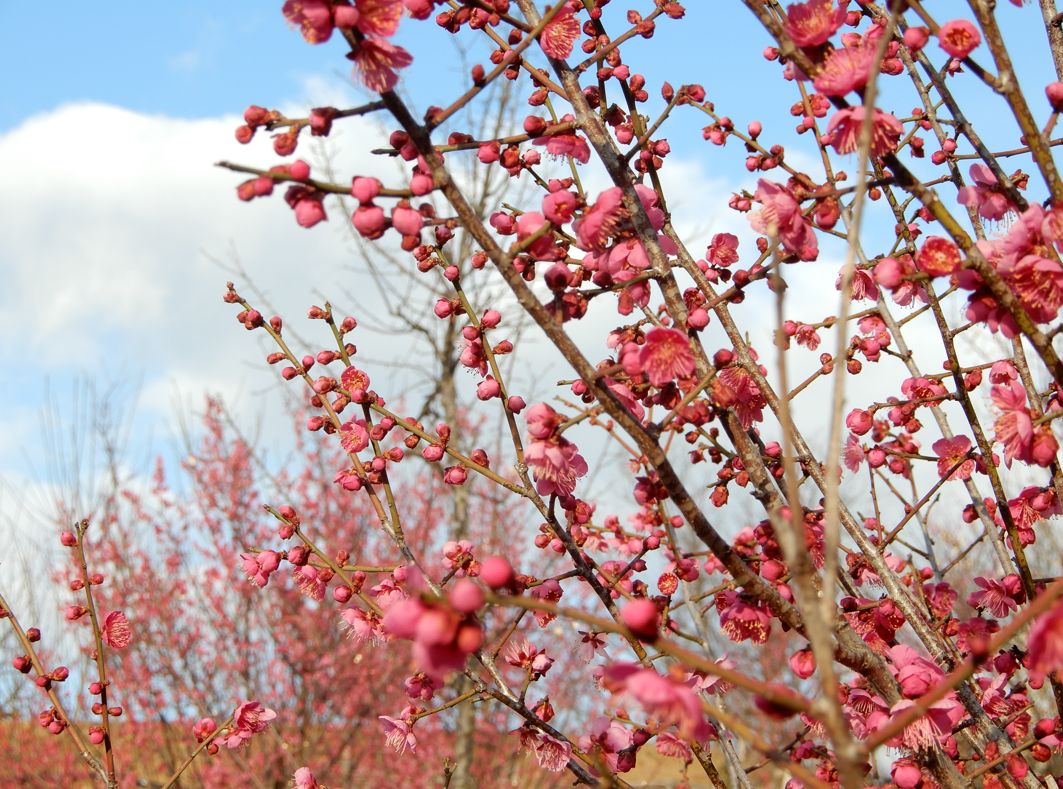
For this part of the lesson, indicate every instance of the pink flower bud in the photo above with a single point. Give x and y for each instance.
(496, 572)
(466, 597)
(299, 170)
(488, 388)
(772, 570)
(369, 221)
(262, 186)
(906, 774)
(640, 617)
(432, 453)
(74, 612)
(68, 539)
(516, 404)
(698, 318)
(365, 189)
(455, 475)
(309, 212)
(406, 220)
(888, 273)
(915, 38)
(802, 663)
(1054, 92)
(421, 184)
(859, 421)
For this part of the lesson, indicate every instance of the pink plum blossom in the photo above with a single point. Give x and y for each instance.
(780, 216)
(813, 22)
(666, 356)
(985, 194)
(249, 719)
(398, 732)
(115, 630)
(951, 451)
(667, 699)
(959, 37)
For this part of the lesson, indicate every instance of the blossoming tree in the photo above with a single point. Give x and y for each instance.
(892, 556)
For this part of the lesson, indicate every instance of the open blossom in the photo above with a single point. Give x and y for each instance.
(813, 22)
(115, 631)
(249, 719)
(735, 388)
(259, 566)
(551, 754)
(741, 619)
(558, 206)
(566, 143)
(398, 732)
(666, 356)
(843, 131)
(863, 285)
(543, 247)
(375, 62)
(554, 460)
(1044, 648)
(591, 646)
(521, 654)
(711, 683)
(723, 250)
(610, 738)
(1038, 282)
(203, 728)
(354, 435)
(312, 17)
(1015, 429)
(997, 597)
(984, 193)
(304, 779)
(360, 625)
(559, 36)
(959, 37)
(845, 70)
(556, 465)
(938, 722)
(951, 451)
(379, 17)
(893, 273)
(601, 220)
(938, 257)
(665, 698)
(914, 673)
(607, 217)
(853, 453)
(780, 215)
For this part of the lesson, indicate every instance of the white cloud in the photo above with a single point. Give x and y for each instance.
(187, 61)
(117, 217)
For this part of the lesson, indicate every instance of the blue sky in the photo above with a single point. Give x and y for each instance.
(117, 219)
